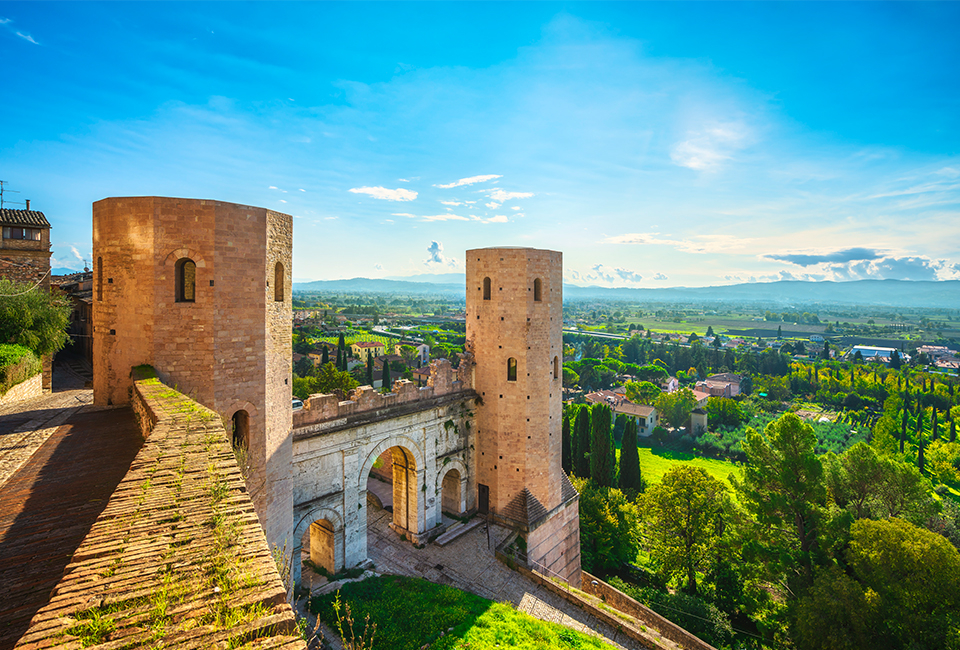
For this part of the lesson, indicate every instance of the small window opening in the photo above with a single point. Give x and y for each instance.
(511, 369)
(537, 286)
(486, 288)
(241, 429)
(556, 367)
(186, 272)
(278, 282)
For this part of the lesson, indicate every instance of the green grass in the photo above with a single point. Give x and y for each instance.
(654, 463)
(410, 613)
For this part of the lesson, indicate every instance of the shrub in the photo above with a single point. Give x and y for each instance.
(17, 364)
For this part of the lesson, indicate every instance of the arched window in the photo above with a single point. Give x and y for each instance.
(241, 429)
(186, 272)
(511, 369)
(486, 288)
(556, 367)
(278, 282)
(99, 278)
(537, 289)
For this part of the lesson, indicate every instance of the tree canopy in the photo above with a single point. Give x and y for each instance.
(33, 318)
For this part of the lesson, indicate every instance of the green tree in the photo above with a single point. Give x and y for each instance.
(325, 356)
(609, 527)
(341, 343)
(581, 443)
(676, 407)
(369, 370)
(566, 450)
(602, 449)
(330, 380)
(630, 480)
(642, 392)
(570, 378)
(726, 412)
(783, 490)
(409, 354)
(854, 478)
(683, 520)
(386, 384)
(33, 318)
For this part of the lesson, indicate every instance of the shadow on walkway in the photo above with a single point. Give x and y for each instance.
(48, 506)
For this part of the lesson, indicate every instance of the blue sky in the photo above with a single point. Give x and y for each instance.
(655, 144)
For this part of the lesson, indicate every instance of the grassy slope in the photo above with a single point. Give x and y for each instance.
(655, 463)
(410, 613)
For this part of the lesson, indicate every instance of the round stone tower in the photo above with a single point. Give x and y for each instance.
(514, 324)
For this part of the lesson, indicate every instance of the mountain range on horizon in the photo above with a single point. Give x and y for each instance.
(943, 294)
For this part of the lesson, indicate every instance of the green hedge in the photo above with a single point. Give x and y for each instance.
(17, 364)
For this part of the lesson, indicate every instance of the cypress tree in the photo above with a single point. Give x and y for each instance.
(630, 459)
(341, 344)
(325, 358)
(903, 428)
(339, 359)
(953, 430)
(920, 458)
(385, 386)
(934, 433)
(370, 370)
(601, 451)
(566, 452)
(581, 443)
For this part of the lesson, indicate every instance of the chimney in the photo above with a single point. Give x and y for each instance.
(28, 204)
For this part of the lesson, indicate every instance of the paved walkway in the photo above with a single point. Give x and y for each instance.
(60, 461)
(469, 563)
(26, 425)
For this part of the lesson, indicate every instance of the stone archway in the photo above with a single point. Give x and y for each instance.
(451, 486)
(320, 533)
(407, 480)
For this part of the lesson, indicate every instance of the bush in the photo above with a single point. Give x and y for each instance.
(17, 364)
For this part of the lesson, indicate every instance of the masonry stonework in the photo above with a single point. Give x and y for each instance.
(514, 327)
(225, 342)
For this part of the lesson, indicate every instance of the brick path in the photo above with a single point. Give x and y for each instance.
(50, 502)
(468, 564)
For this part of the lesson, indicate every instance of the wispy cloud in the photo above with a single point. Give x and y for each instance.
(660, 276)
(385, 194)
(708, 148)
(470, 181)
(443, 217)
(611, 275)
(698, 244)
(451, 202)
(500, 195)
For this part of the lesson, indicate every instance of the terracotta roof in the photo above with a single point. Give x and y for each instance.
(29, 218)
(620, 404)
(368, 344)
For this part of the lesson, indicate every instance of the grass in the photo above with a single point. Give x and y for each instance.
(654, 463)
(410, 613)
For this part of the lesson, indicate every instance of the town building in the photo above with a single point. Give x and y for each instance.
(363, 349)
(25, 246)
(644, 415)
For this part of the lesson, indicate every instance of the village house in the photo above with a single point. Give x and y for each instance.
(669, 384)
(423, 350)
(644, 415)
(723, 385)
(362, 349)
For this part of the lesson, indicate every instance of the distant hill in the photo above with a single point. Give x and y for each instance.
(893, 293)
(432, 278)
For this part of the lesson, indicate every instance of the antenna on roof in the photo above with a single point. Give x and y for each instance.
(2, 190)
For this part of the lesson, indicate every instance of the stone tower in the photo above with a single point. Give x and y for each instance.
(515, 327)
(200, 290)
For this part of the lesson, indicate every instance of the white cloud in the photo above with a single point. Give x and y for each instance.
(330, 218)
(516, 207)
(26, 37)
(378, 267)
(707, 149)
(443, 217)
(283, 201)
(435, 256)
(273, 187)
(660, 276)
(302, 190)
(492, 205)
(403, 180)
(385, 194)
(470, 181)
(451, 202)
(501, 195)
(500, 218)
(611, 275)
(76, 253)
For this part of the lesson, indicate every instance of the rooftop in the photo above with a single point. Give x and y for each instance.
(24, 218)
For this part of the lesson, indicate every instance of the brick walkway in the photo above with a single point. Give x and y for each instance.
(468, 564)
(49, 503)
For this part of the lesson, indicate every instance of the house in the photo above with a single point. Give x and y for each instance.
(644, 415)
(702, 397)
(78, 287)
(362, 349)
(423, 350)
(816, 338)
(669, 384)
(936, 352)
(25, 246)
(868, 352)
(722, 385)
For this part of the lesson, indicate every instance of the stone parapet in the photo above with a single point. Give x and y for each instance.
(26, 389)
(177, 558)
(327, 407)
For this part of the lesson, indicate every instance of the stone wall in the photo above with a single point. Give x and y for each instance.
(177, 558)
(328, 408)
(229, 348)
(26, 389)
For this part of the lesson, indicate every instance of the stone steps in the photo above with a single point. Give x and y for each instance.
(457, 530)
